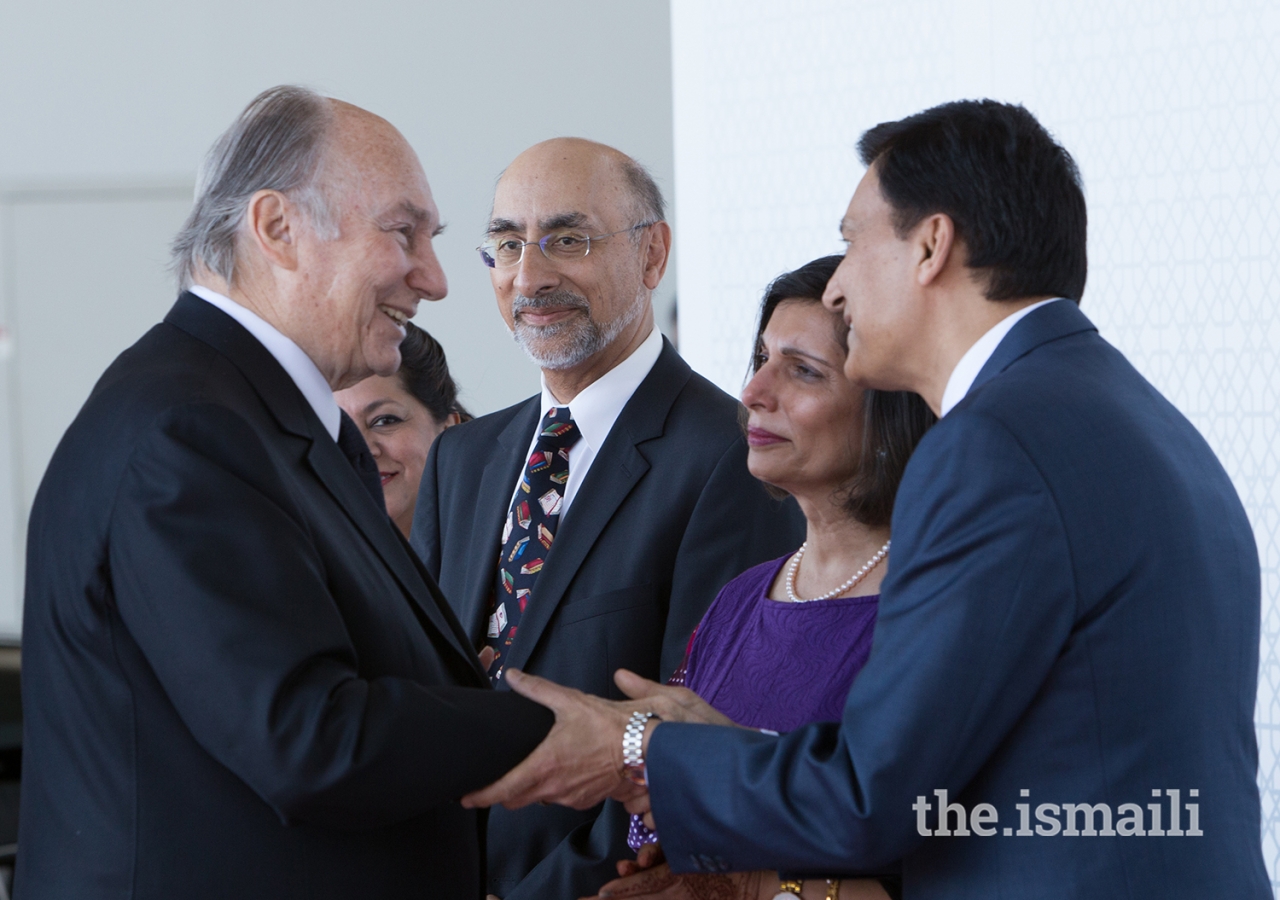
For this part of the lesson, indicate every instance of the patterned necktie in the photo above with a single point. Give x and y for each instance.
(529, 530)
(351, 443)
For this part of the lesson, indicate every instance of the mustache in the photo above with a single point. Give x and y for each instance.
(552, 300)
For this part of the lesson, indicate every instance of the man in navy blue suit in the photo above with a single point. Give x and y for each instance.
(1059, 701)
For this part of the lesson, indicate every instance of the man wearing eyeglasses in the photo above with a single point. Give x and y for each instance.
(588, 528)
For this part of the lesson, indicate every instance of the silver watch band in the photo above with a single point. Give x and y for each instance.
(633, 740)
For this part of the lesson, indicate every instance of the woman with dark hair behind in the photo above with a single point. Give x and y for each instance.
(780, 645)
(401, 415)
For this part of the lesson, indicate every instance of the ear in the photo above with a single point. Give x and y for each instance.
(934, 242)
(272, 223)
(657, 253)
(452, 419)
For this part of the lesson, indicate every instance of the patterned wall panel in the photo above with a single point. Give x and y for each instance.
(1172, 110)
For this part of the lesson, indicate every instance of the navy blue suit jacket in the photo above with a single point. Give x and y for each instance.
(1071, 610)
(237, 680)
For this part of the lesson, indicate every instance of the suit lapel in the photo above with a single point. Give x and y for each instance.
(616, 470)
(281, 396)
(493, 501)
(455, 627)
(1048, 323)
(337, 475)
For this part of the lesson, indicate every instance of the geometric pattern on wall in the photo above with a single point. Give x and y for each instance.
(1171, 109)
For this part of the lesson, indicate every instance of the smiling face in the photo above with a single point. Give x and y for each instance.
(804, 416)
(566, 312)
(353, 293)
(873, 290)
(399, 431)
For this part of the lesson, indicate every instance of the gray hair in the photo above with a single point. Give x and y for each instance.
(649, 205)
(277, 143)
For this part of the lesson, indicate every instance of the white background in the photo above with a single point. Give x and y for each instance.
(107, 108)
(1172, 110)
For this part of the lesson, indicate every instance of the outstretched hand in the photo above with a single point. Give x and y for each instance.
(578, 763)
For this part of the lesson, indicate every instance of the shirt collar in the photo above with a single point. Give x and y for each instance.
(967, 369)
(291, 357)
(599, 404)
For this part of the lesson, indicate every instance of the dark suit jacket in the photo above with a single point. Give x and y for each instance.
(1071, 609)
(667, 514)
(237, 680)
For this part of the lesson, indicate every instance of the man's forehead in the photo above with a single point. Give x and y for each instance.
(866, 205)
(539, 193)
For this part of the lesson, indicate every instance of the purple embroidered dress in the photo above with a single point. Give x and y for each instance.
(774, 664)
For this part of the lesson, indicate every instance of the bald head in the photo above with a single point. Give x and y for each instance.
(359, 148)
(609, 179)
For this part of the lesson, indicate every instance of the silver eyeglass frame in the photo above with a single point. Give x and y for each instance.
(491, 260)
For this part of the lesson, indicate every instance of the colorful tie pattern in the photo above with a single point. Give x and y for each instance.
(529, 531)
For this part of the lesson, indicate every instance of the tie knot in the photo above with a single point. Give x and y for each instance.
(558, 429)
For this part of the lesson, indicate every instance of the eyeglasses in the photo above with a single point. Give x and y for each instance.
(557, 246)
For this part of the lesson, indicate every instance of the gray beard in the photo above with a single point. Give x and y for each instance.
(572, 342)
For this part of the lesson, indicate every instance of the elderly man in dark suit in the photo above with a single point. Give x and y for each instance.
(588, 528)
(238, 681)
(1059, 700)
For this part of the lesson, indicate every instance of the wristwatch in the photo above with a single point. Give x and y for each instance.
(789, 889)
(633, 746)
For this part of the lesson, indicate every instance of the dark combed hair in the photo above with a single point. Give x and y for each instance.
(893, 421)
(424, 372)
(1012, 191)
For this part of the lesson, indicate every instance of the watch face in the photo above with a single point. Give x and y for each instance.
(786, 895)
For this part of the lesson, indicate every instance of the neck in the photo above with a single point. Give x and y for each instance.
(565, 384)
(248, 294)
(264, 300)
(841, 542)
(960, 320)
(836, 545)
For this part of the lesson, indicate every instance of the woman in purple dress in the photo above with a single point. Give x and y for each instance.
(780, 645)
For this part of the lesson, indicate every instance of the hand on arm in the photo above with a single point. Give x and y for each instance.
(669, 703)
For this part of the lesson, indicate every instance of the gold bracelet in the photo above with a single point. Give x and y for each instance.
(789, 889)
(833, 889)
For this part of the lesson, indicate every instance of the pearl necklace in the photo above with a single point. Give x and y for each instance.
(857, 576)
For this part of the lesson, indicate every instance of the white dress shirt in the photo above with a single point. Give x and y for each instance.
(963, 375)
(290, 356)
(594, 411)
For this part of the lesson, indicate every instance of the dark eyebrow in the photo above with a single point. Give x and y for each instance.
(551, 223)
(370, 407)
(564, 220)
(497, 226)
(796, 351)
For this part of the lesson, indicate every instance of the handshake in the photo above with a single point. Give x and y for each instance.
(580, 762)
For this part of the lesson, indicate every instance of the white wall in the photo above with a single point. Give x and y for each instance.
(106, 109)
(1172, 110)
